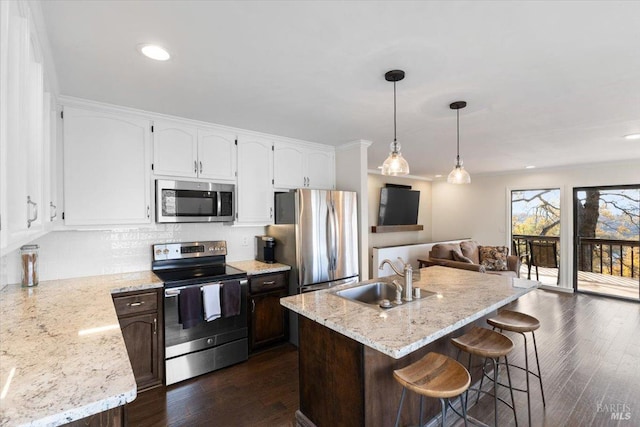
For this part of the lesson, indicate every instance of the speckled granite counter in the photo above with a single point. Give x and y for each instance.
(254, 267)
(463, 296)
(62, 355)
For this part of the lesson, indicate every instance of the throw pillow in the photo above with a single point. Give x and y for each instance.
(457, 256)
(494, 258)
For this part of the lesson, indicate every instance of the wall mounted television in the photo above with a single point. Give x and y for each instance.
(398, 205)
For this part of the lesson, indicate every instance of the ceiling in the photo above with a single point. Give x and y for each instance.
(547, 83)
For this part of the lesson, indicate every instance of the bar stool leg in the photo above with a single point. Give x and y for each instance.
(404, 391)
(464, 410)
(443, 405)
(535, 348)
(513, 401)
(421, 399)
(484, 365)
(495, 389)
(526, 372)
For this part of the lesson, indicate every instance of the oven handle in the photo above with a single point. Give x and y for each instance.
(174, 292)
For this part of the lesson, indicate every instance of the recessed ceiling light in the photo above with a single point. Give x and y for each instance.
(633, 136)
(438, 176)
(154, 52)
(530, 167)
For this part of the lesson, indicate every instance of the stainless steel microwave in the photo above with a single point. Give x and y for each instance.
(190, 201)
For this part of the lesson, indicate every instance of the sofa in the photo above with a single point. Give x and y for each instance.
(469, 255)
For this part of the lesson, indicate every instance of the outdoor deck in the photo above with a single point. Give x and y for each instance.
(625, 287)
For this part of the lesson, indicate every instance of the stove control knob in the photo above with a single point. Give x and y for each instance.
(210, 341)
(158, 251)
(166, 251)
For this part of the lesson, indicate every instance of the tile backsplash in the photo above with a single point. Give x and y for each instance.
(65, 254)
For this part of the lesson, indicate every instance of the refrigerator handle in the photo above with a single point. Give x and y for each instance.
(331, 231)
(334, 243)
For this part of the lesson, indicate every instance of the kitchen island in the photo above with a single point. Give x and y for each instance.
(348, 350)
(62, 355)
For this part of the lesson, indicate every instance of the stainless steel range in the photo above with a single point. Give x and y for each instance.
(208, 346)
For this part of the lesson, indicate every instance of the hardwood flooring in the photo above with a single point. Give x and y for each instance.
(589, 350)
(260, 392)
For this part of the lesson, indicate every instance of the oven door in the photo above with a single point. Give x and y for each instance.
(185, 201)
(207, 346)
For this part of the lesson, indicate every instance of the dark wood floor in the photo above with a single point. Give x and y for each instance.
(589, 350)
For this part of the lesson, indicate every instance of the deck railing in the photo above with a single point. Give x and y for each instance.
(605, 256)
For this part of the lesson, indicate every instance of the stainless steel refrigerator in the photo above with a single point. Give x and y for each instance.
(316, 233)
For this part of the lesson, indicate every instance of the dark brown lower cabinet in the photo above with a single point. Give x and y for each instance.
(268, 319)
(141, 320)
(111, 418)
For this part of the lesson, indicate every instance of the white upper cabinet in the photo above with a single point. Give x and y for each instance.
(106, 168)
(320, 167)
(288, 167)
(181, 150)
(23, 130)
(216, 155)
(175, 149)
(302, 165)
(255, 192)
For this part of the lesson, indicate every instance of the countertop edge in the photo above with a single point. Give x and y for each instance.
(399, 352)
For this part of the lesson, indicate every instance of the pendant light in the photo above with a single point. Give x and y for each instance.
(458, 175)
(395, 164)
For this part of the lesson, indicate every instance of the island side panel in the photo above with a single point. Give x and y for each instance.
(382, 391)
(331, 376)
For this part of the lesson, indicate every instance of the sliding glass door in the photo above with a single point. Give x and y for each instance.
(607, 240)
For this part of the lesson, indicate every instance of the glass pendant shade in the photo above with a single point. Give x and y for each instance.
(395, 164)
(458, 175)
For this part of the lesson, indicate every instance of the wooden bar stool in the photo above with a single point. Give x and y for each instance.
(513, 321)
(491, 345)
(435, 375)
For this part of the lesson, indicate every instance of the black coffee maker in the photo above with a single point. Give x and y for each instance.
(265, 249)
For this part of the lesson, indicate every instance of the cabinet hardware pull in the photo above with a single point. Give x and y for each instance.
(253, 306)
(148, 212)
(270, 212)
(35, 211)
(195, 166)
(270, 282)
(155, 325)
(136, 304)
(55, 211)
(200, 167)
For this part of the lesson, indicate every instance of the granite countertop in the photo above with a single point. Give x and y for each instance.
(253, 267)
(462, 297)
(62, 355)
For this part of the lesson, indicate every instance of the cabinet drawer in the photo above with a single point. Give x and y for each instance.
(268, 282)
(138, 303)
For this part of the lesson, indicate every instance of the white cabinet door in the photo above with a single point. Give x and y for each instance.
(216, 155)
(299, 166)
(106, 168)
(320, 166)
(254, 192)
(175, 149)
(288, 165)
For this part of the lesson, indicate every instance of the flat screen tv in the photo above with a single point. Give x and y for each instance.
(398, 206)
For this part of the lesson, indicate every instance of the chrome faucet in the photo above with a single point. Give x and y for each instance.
(407, 273)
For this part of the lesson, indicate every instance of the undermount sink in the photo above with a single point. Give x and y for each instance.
(374, 293)
(371, 293)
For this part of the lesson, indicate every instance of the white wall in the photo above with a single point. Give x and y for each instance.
(481, 210)
(375, 183)
(65, 254)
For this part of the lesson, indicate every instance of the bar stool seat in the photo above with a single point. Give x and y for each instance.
(514, 321)
(435, 375)
(490, 345)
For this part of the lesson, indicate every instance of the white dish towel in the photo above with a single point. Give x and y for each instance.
(211, 302)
